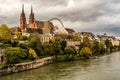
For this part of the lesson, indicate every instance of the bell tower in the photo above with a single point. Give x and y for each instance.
(31, 17)
(22, 19)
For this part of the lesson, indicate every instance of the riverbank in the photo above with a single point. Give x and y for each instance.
(38, 63)
(41, 62)
(26, 66)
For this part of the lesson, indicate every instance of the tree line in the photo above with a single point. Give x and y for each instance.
(31, 48)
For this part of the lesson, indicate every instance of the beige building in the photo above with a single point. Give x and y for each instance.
(45, 37)
(76, 44)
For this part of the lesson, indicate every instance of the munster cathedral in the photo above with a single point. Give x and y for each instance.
(32, 26)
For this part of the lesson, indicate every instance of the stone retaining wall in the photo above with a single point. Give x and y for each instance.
(26, 66)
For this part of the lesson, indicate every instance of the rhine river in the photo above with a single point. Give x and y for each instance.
(106, 67)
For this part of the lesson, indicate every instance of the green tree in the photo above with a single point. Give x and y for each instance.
(15, 55)
(95, 47)
(109, 45)
(5, 32)
(23, 46)
(101, 47)
(32, 43)
(15, 43)
(70, 50)
(35, 43)
(57, 46)
(63, 44)
(48, 49)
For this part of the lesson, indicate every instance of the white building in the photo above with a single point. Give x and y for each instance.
(45, 37)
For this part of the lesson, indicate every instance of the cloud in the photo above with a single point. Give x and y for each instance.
(97, 16)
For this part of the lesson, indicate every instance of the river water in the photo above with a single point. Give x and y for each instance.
(106, 67)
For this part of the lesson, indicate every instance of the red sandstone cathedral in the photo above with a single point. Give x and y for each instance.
(34, 26)
(41, 27)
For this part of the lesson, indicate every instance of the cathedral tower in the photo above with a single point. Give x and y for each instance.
(22, 19)
(31, 17)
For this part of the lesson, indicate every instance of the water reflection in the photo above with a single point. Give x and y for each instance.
(104, 68)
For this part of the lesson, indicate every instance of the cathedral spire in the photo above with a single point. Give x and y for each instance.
(31, 9)
(22, 8)
(22, 19)
(31, 17)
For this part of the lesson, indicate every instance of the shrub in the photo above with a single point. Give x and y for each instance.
(62, 58)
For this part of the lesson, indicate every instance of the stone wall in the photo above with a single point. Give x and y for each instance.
(26, 66)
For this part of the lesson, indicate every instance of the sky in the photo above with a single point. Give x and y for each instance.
(96, 16)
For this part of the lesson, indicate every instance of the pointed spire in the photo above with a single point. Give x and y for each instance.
(31, 9)
(31, 17)
(22, 8)
(22, 18)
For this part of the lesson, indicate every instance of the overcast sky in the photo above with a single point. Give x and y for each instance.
(97, 16)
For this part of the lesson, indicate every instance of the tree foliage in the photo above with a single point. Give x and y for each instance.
(35, 43)
(5, 32)
(15, 55)
(86, 52)
(101, 47)
(70, 50)
(32, 53)
(95, 47)
(57, 46)
(32, 43)
(63, 44)
(108, 43)
(48, 49)
(76, 37)
(86, 41)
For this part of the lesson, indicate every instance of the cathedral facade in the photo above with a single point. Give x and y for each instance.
(41, 27)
